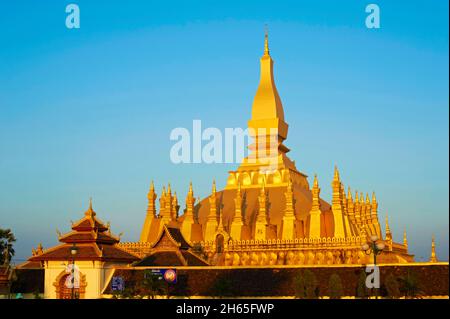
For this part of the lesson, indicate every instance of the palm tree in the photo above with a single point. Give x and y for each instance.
(411, 286)
(6, 247)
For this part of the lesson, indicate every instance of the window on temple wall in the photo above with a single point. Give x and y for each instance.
(219, 243)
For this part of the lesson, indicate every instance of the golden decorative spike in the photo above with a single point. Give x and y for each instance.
(316, 182)
(90, 212)
(175, 199)
(336, 174)
(388, 230)
(266, 41)
(374, 199)
(405, 240)
(367, 199)
(349, 194)
(152, 187)
(433, 257)
(214, 187)
(169, 191)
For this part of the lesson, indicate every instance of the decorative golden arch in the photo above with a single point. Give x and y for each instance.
(61, 290)
(224, 243)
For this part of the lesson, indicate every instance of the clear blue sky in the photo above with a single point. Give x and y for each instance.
(88, 112)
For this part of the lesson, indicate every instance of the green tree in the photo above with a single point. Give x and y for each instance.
(392, 287)
(410, 286)
(336, 290)
(6, 245)
(305, 285)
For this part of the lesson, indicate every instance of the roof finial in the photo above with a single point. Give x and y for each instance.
(336, 173)
(213, 190)
(405, 239)
(388, 230)
(90, 211)
(433, 257)
(266, 40)
(316, 182)
(152, 186)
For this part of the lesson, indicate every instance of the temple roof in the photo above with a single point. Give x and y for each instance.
(171, 249)
(93, 240)
(90, 251)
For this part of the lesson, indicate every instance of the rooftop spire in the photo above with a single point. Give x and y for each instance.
(266, 40)
(90, 211)
(336, 173)
(267, 102)
(214, 187)
(388, 230)
(433, 257)
(191, 191)
(405, 239)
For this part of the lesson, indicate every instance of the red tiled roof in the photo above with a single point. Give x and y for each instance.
(89, 223)
(87, 236)
(90, 251)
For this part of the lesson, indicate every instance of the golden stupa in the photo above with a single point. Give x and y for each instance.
(268, 214)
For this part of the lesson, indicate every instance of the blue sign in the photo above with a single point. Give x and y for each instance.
(117, 284)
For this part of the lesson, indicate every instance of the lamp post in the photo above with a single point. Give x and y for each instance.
(373, 247)
(73, 252)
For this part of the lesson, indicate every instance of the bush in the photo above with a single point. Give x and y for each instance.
(305, 285)
(361, 289)
(392, 287)
(335, 287)
(410, 286)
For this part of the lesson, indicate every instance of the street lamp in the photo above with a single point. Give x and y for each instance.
(73, 252)
(373, 247)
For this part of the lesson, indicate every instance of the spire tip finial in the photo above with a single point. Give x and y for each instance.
(266, 39)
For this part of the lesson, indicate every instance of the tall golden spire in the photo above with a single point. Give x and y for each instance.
(337, 207)
(267, 125)
(388, 236)
(188, 221)
(151, 196)
(405, 239)
(261, 215)
(213, 188)
(315, 212)
(266, 40)
(388, 230)
(433, 257)
(267, 103)
(237, 222)
(211, 222)
(288, 226)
